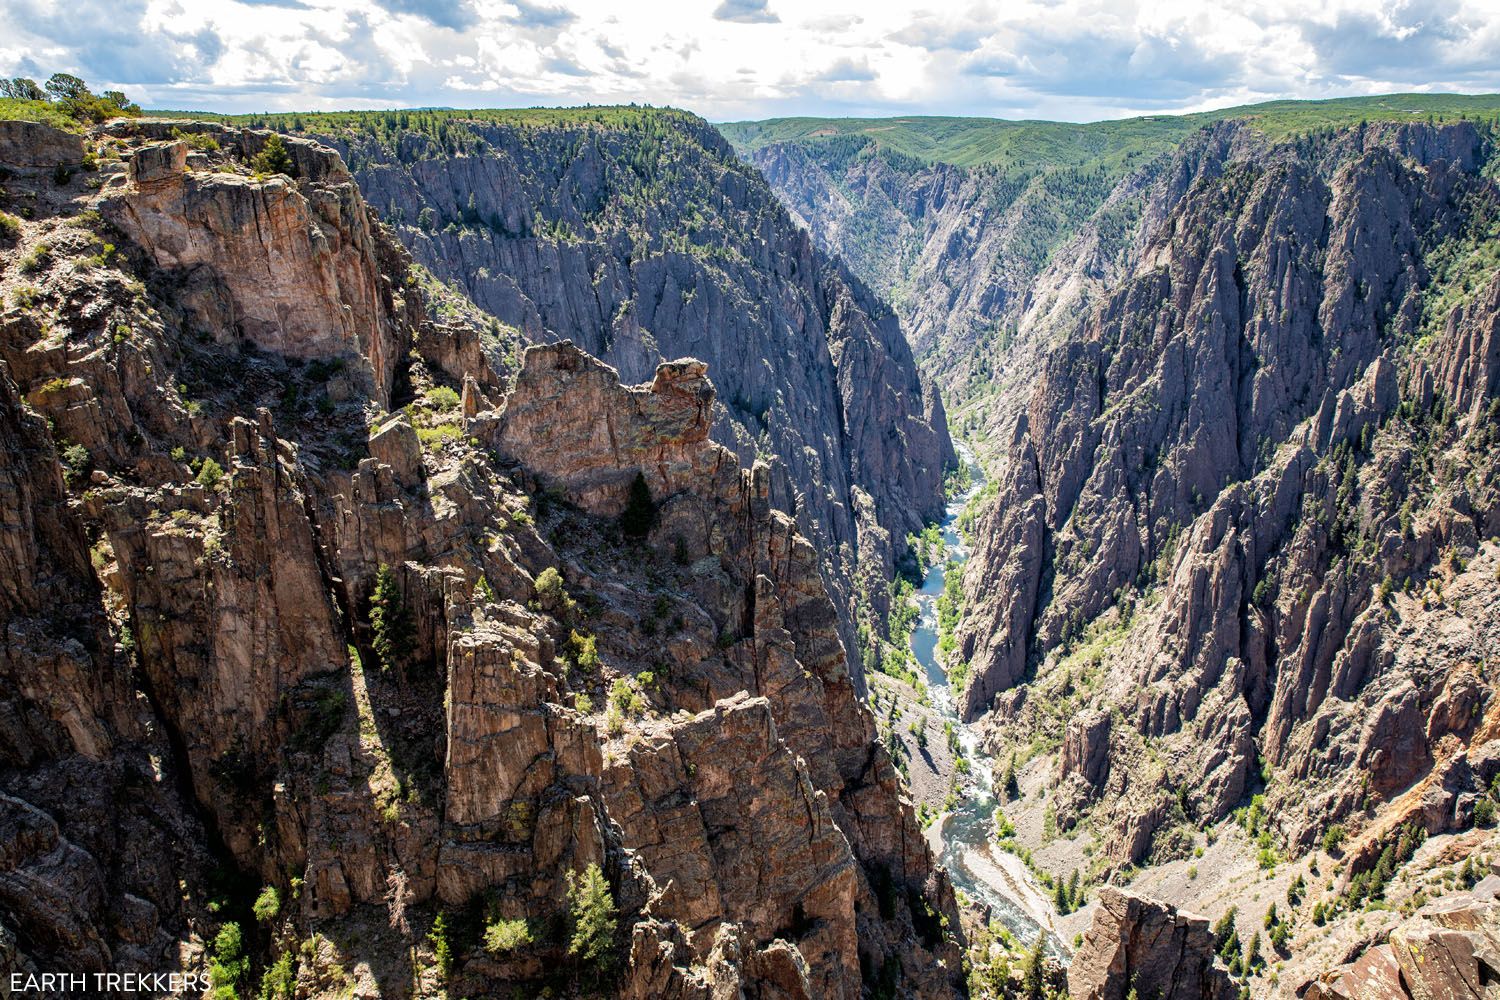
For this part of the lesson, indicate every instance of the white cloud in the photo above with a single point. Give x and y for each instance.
(745, 12)
(1072, 59)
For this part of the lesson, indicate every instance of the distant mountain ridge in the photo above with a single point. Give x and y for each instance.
(989, 236)
(1032, 143)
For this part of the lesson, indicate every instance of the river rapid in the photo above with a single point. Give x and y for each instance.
(986, 874)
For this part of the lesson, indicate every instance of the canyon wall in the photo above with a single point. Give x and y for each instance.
(639, 236)
(321, 605)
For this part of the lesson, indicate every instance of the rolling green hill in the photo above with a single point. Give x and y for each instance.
(1031, 145)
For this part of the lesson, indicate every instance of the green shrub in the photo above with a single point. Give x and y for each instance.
(76, 462)
(437, 435)
(443, 399)
(549, 588)
(624, 698)
(197, 140)
(227, 963)
(1333, 838)
(280, 980)
(501, 936)
(39, 257)
(274, 159)
(210, 473)
(442, 948)
(1484, 812)
(585, 650)
(267, 905)
(10, 227)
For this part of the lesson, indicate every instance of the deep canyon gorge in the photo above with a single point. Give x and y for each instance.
(598, 552)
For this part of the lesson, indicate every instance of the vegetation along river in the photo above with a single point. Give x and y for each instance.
(986, 874)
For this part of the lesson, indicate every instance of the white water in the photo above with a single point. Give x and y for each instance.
(974, 864)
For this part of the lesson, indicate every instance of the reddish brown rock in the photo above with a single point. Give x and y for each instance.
(1137, 945)
(1375, 975)
(1450, 950)
(313, 290)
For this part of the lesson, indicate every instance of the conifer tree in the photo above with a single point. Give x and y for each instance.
(390, 623)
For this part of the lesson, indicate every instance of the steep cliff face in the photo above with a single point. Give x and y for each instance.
(984, 264)
(95, 833)
(424, 671)
(1244, 536)
(639, 236)
(1233, 579)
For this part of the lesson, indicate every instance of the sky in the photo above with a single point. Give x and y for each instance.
(1073, 60)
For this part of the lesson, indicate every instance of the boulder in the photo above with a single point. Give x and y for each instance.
(395, 444)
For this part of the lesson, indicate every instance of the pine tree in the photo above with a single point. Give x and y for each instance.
(1033, 975)
(640, 512)
(274, 158)
(591, 908)
(389, 621)
(1009, 785)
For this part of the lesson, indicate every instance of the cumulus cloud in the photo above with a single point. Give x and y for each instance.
(1446, 43)
(936, 34)
(1071, 59)
(533, 15)
(1082, 61)
(745, 12)
(563, 65)
(847, 70)
(455, 14)
(110, 40)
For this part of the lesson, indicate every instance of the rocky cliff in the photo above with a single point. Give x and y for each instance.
(1247, 495)
(338, 660)
(1233, 595)
(639, 236)
(985, 264)
(1140, 947)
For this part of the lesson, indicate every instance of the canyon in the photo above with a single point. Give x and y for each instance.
(466, 554)
(1236, 567)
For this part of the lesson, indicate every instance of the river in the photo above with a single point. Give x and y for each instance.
(986, 874)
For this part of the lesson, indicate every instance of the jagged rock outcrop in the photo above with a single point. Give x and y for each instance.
(419, 671)
(563, 230)
(1226, 494)
(314, 291)
(1137, 946)
(1449, 949)
(95, 834)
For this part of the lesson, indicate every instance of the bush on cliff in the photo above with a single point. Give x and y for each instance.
(274, 159)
